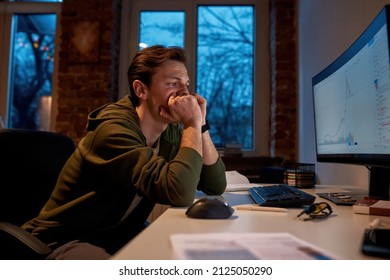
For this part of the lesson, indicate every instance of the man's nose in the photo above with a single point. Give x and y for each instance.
(183, 89)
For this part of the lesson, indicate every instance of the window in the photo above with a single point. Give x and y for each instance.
(161, 28)
(225, 71)
(34, 0)
(228, 61)
(27, 63)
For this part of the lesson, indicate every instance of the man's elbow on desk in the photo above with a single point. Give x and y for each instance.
(215, 187)
(213, 179)
(183, 199)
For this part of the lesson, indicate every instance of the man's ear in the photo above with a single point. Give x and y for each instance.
(140, 89)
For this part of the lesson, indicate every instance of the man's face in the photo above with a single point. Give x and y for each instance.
(170, 79)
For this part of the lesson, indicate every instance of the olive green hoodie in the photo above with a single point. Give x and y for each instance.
(113, 172)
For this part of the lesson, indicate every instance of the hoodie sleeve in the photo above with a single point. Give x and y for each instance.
(213, 178)
(118, 153)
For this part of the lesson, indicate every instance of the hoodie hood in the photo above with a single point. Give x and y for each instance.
(123, 109)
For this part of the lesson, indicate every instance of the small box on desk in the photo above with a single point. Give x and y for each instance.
(300, 175)
(372, 206)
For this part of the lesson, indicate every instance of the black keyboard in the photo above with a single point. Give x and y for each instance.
(280, 196)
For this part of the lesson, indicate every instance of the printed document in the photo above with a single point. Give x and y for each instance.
(245, 246)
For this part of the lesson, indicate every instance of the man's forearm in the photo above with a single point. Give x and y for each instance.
(192, 138)
(210, 154)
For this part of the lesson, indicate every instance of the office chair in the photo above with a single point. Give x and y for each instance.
(32, 161)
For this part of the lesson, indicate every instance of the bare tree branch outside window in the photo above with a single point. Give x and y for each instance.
(225, 71)
(33, 58)
(225, 48)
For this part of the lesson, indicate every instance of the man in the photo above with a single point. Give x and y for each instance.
(150, 147)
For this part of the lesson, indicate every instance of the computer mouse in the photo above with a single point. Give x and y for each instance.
(209, 208)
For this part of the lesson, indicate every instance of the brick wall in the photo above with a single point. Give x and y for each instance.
(84, 85)
(284, 91)
(87, 79)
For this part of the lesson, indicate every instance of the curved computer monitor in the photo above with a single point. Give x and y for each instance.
(352, 106)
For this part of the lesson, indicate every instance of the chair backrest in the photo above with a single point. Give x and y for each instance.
(31, 162)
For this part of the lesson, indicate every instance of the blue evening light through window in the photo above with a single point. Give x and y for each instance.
(162, 28)
(32, 68)
(225, 71)
(225, 57)
(36, 1)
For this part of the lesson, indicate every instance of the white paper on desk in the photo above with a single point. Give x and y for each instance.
(234, 177)
(239, 187)
(245, 246)
(236, 182)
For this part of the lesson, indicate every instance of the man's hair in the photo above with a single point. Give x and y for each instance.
(145, 62)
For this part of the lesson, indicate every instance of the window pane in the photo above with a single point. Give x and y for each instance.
(35, 1)
(161, 28)
(32, 69)
(225, 71)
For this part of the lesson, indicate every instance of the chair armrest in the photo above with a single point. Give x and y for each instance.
(18, 244)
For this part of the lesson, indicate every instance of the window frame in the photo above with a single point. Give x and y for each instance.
(7, 11)
(262, 87)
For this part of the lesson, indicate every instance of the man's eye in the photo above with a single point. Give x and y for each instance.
(172, 84)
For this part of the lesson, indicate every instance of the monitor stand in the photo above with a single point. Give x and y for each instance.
(379, 183)
(379, 189)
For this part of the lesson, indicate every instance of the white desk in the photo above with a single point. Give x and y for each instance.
(340, 234)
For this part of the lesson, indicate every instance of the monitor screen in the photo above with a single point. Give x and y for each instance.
(352, 106)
